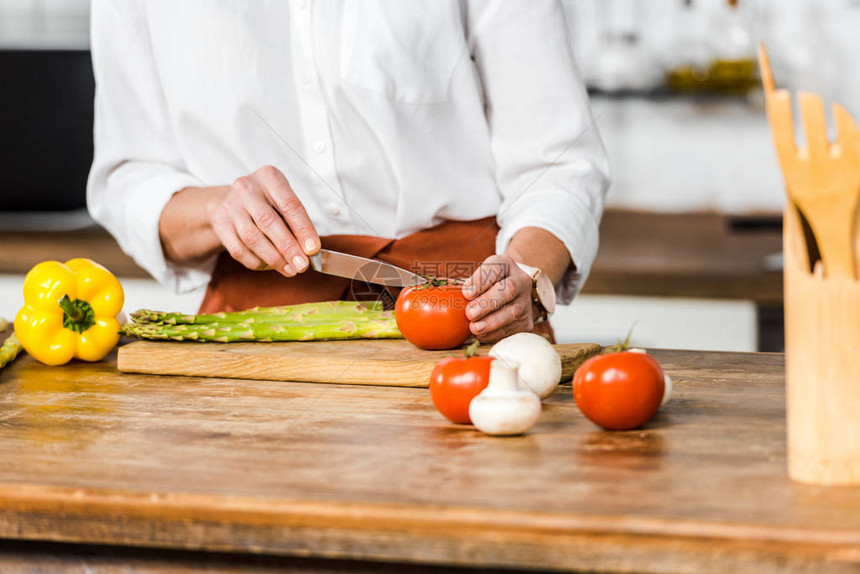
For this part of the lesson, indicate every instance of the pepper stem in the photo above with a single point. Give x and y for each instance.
(78, 315)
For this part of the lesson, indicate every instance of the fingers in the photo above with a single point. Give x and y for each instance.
(262, 224)
(226, 232)
(253, 238)
(504, 291)
(490, 272)
(513, 318)
(500, 294)
(263, 218)
(283, 198)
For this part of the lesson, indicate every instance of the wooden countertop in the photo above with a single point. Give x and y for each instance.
(699, 255)
(24, 249)
(170, 464)
(678, 255)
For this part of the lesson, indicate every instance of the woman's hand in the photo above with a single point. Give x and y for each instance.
(263, 225)
(500, 302)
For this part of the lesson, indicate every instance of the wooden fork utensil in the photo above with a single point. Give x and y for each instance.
(822, 178)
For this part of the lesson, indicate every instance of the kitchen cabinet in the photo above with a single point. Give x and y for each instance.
(169, 473)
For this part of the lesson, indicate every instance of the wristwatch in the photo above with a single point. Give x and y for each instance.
(543, 292)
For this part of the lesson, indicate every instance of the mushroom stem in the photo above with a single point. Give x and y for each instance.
(505, 407)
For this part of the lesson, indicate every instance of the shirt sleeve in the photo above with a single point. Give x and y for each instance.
(137, 166)
(550, 163)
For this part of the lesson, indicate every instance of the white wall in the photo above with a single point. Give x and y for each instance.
(812, 42)
(44, 23)
(681, 155)
(677, 154)
(659, 322)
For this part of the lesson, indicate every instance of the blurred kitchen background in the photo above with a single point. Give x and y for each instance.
(690, 244)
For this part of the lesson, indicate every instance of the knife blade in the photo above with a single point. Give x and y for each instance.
(361, 269)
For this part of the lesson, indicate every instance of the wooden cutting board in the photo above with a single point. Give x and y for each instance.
(393, 362)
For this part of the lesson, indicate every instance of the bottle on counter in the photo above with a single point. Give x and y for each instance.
(722, 61)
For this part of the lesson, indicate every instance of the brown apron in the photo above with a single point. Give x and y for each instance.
(451, 249)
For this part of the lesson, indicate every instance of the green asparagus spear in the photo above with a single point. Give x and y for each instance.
(285, 320)
(331, 310)
(10, 349)
(267, 332)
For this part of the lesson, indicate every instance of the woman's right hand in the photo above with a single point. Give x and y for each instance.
(263, 225)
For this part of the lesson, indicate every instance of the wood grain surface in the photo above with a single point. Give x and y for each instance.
(822, 337)
(375, 473)
(393, 362)
(18, 557)
(24, 249)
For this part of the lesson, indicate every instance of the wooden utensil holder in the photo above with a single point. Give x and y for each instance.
(822, 340)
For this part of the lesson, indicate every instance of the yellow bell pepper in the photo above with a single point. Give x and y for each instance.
(69, 312)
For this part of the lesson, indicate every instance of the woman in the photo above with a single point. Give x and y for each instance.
(233, 139)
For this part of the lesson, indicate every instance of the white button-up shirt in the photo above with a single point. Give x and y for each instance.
(386, 116)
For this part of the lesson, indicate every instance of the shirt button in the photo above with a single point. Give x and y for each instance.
(333, 209)
(307, 78)
(302, 4)
(319, 147)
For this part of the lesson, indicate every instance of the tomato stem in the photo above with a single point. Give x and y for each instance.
(433, 281)
(471, 349)
(621, 346)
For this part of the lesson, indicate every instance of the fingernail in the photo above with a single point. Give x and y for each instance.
(480, 326)
(311, 246)
(472, 311)
(288, 269)
(300, 263)
(467, 292)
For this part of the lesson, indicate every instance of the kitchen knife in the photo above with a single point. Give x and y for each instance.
(361, 269)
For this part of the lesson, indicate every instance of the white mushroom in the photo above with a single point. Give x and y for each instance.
(667, 391)
(667, 380)
(504, 407)
(539, 363)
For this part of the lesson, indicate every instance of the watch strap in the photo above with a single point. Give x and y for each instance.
(534, 273)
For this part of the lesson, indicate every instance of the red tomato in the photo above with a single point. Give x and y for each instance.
(433, 315)
(619, 391)
(454, 382)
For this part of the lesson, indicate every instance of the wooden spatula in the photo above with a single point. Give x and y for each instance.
(823, 179)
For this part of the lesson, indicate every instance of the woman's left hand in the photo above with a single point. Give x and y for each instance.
(500, 299)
